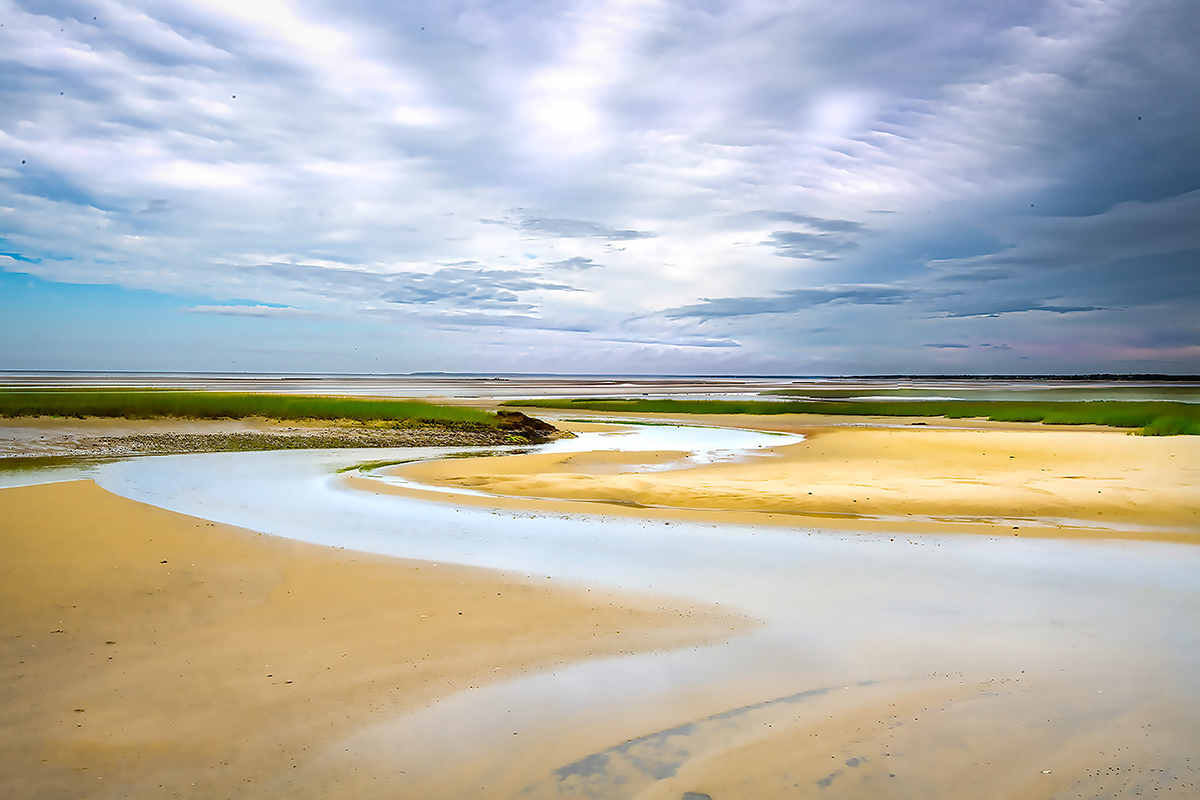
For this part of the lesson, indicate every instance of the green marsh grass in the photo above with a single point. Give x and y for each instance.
(1173, 393)
(1150, 418)
(160, 403)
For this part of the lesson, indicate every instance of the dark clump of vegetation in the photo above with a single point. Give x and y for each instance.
(154, 403)
(1151, 418)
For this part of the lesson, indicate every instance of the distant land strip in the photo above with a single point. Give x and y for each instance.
(140, 403)
(1148, 418)
(318, 422)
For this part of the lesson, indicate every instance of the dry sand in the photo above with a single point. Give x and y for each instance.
(970, 477)
(149, 654)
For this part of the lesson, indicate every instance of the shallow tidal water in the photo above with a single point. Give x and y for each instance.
(873, 665)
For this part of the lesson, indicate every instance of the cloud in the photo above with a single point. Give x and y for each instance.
(19, 257)
(816, 223)
(1129, 230)
(465, 287)
(819, 239)
(947, 346)
(574, 229)
(815, 246)
(905, 172)
(252, 311)
(1028, 306)
(575, 262)
(791, 301)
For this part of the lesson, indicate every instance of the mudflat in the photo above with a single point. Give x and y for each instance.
(145, 653)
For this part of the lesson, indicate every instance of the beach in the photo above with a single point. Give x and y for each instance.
(727, 606)
(1009, 479)
(147, 653)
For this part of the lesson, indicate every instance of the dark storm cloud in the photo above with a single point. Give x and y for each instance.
(790, 301)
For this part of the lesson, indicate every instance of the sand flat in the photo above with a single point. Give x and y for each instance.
(1043, 480)
(142, 649)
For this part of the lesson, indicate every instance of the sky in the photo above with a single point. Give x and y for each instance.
(754, 187)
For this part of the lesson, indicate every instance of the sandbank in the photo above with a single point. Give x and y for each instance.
(870, 474)
(145, 653)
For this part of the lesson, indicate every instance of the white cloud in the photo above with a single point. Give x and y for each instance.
(315, 155)
(252, 311)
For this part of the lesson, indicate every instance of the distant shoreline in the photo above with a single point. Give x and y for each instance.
(116, 422)
(1153, 377)
(101, 445)
(26, 441)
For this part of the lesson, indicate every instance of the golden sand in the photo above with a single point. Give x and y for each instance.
(146, 654)
(231, 669)
(1035, 480)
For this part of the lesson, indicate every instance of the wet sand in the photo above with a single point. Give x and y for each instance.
(1004, 479)
(1096, 714)
(145, 653)
(996, 739)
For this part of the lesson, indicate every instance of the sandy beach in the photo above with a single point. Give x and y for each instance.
(147, 651)
(967, 476)
(149, 654)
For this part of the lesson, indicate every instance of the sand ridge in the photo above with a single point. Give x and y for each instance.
(1037, 480)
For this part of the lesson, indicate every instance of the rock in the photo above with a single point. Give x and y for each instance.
(525, 427)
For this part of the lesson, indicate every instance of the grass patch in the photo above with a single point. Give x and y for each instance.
(1149, 418)
(38, 463)
(367, 466)
(1184, 393)
(159, 403)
